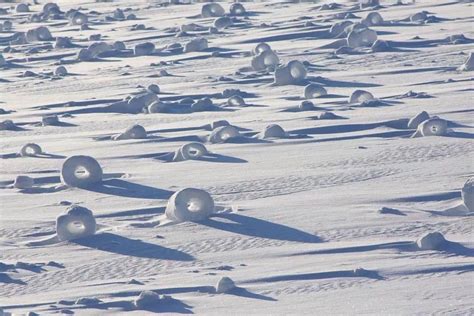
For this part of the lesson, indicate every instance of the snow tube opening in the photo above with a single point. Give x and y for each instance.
(222, 22)
(78, 18)
(30, 150)
(223, 133)
(431, 241)
(359, 96)
(236, 100)
(314, 90)
(237, 9)
(23, 182)
(418, 119)
(212, 10)
(144, 49)
(433, 127)
(75, 223)
(467, 194)
(189, 205)
(81, 171)
(134, 132)
(273, 131)
(361, 38)
(190, 151)
(373, 18)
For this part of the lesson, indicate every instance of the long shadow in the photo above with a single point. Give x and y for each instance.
(124, 188)
(347, 128)
(461, 135)
(130, 247)
(318, 276)
(5, 278)
(430, 197)
(339, 83)
(221, 158)
(462, 268)
(399, 246)
(254, 227)
(456, 249)
(136, 212)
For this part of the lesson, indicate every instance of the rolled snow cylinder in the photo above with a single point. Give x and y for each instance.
(51, 8)
(306, 106)
(314, 90)
(159, 107)
(74, 223)
(260, 48)
(222, 134)
(196, 45)
(467, 194)
(432, 127)
(60, 71)
(30, 150)
(23, 182)
(418, 119)
(293, 72)
(190, 151)
(62, 42)
(153, 88)
(204, 104)
(7, 25)
(78, 18)
(118, 14)
(418, 17)
(97, 48)
(144, 49)
(380, 46)
(22, 8)
(38, 34)
(222, 22)
(359, 96)
(273, 131)
(373, 18)
(49, 120)
(212, 10)
(236, 100)
(468, 64)
(237, 9)
(297, 70)
(189, 205)
(339, 28)
(266, 58)
(119, 45)
(81, 171)
(84, 55)
(225, 285)
(134, 132)
(138, 103)
(219, 123)
(361, 38)
(431, 241)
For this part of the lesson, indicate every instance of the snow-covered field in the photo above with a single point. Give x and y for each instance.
(322, 219)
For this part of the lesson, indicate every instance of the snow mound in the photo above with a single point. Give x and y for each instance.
(23, 182)
(22, 8)
(189, 205)
(273, 131)
(81, 171)
(75, 222)
(224, 285)
(190, 151)
(30, 150)
(467, 193)
(134, 132)
(431, 241)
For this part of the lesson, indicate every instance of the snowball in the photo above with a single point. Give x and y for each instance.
(432, 127)
(134, 132)
(225, 285)
(469, 64)
(60, 71)
(222, 22)
(236, 100)
(467, 193)
(314, 90)
(78, 18)
(81, 171)
(30, 150)
(48, 120)
(144, 49)
(23, 182)
(212, 10)
(219, 123)
(361, 38)
(266, 58)
(359, 96)
(373, 18)
(196, 45)
(431, 241)
(153, 88)
(273, 131)
(237, 9)
(190, 151)
(22, 7)
(51, 8)
(418, 119)
(222, 134)
(75, 222)
(189, 205)
(291, 73)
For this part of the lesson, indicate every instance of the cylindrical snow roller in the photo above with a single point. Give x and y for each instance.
(314, 90)
(432, 127)
(222, 134)
(75, 223)
(467, 193)
(190, 151)
(30, 150)
(189, 205)
(273, 131)
(359, 96)
(81, 171)
(212, 10)
(134, 132)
